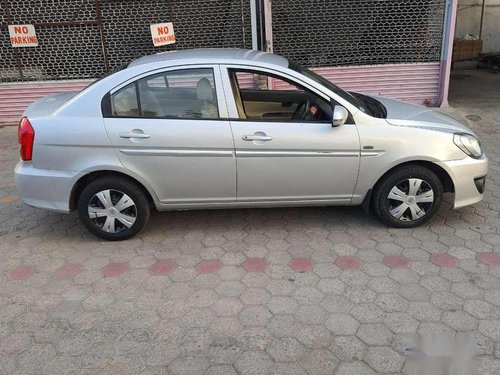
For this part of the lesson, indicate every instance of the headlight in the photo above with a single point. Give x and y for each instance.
(468, 144)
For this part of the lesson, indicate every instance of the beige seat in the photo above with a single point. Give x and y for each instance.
(205, 94)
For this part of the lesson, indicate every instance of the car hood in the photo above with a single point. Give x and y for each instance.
(406, 114)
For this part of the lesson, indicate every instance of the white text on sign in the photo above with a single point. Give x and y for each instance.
(163, 34)
(23, 36)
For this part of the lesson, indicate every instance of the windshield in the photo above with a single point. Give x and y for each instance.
(329, 85)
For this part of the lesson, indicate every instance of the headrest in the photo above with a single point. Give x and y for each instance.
(204, 90)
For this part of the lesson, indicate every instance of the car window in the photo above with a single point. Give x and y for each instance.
(158, 81)
(125, 103)
(262, 96)
(329, 85)
(180, 94)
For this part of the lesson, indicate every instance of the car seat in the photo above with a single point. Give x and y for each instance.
(205, 94)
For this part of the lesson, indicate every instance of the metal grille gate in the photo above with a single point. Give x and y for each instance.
(206, 23)
(385, 47)
(82, 39)
(322, 33)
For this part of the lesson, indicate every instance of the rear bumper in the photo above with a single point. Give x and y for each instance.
(42, 188)
(464, 174)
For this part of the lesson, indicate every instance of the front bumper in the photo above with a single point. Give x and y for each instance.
(44, 188)
(465, 174)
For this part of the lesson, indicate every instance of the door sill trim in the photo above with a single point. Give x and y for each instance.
(254, 204)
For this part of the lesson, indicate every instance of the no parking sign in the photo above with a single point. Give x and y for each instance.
(163, 34)
(23, 36)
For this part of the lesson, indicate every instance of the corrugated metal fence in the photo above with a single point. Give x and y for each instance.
(411, 82)
(15, 98)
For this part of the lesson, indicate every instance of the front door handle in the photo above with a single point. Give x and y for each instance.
(136, 133)
(257, 137)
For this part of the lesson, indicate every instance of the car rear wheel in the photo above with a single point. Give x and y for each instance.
(113, 209)
(408, 197)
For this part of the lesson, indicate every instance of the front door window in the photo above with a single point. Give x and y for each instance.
(262, 96)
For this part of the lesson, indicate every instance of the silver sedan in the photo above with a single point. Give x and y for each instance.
(228, 128)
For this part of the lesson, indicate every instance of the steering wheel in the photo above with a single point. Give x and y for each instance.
(301, 110)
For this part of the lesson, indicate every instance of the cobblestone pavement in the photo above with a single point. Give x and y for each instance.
(281, 291)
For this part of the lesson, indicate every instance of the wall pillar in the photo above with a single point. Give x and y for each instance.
(450, 19)
(268, 26)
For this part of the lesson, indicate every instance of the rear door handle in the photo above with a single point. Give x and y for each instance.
(136, 133)
(251, 138)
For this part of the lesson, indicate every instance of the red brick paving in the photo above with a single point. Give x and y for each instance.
(491, 259)
(444, 260)
(21, 273)
(69, 270)
(255, 265)
(396, 261)
(209, 266)
(115, 269)
(162, 267)
(281, 319)
(348, 262)
(301, 264)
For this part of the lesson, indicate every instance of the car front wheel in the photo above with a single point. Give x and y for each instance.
(113, 209)
(408, 196)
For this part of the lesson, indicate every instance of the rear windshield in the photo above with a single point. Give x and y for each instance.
(112, 71)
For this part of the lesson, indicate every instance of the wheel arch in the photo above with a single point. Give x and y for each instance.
(442, 174)
(94, 175)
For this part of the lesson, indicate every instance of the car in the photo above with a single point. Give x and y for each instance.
(232, 128)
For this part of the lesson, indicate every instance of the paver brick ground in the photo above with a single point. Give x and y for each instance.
(281, 291)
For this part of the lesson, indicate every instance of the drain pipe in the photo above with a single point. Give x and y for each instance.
(482, 20)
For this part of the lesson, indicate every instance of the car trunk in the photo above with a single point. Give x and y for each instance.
(48, 104)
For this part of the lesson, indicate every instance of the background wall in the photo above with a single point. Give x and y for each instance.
(468, 21)
(385, 47)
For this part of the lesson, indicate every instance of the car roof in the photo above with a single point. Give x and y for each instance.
(213, 55)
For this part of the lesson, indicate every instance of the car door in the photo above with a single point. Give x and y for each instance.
(281, 159)
(171, 128)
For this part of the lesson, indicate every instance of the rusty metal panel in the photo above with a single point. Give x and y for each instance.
(15, 98)
(417, 83)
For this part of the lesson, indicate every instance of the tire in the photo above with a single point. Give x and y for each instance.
(408, 196)
(119, 220)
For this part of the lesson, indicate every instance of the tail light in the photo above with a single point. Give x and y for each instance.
(26, 135)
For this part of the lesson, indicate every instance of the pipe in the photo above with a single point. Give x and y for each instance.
(482, 19)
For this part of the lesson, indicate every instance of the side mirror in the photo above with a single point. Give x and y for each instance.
(340, 115)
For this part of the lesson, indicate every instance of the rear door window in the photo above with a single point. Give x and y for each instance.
(178, 94)
(124, 102)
